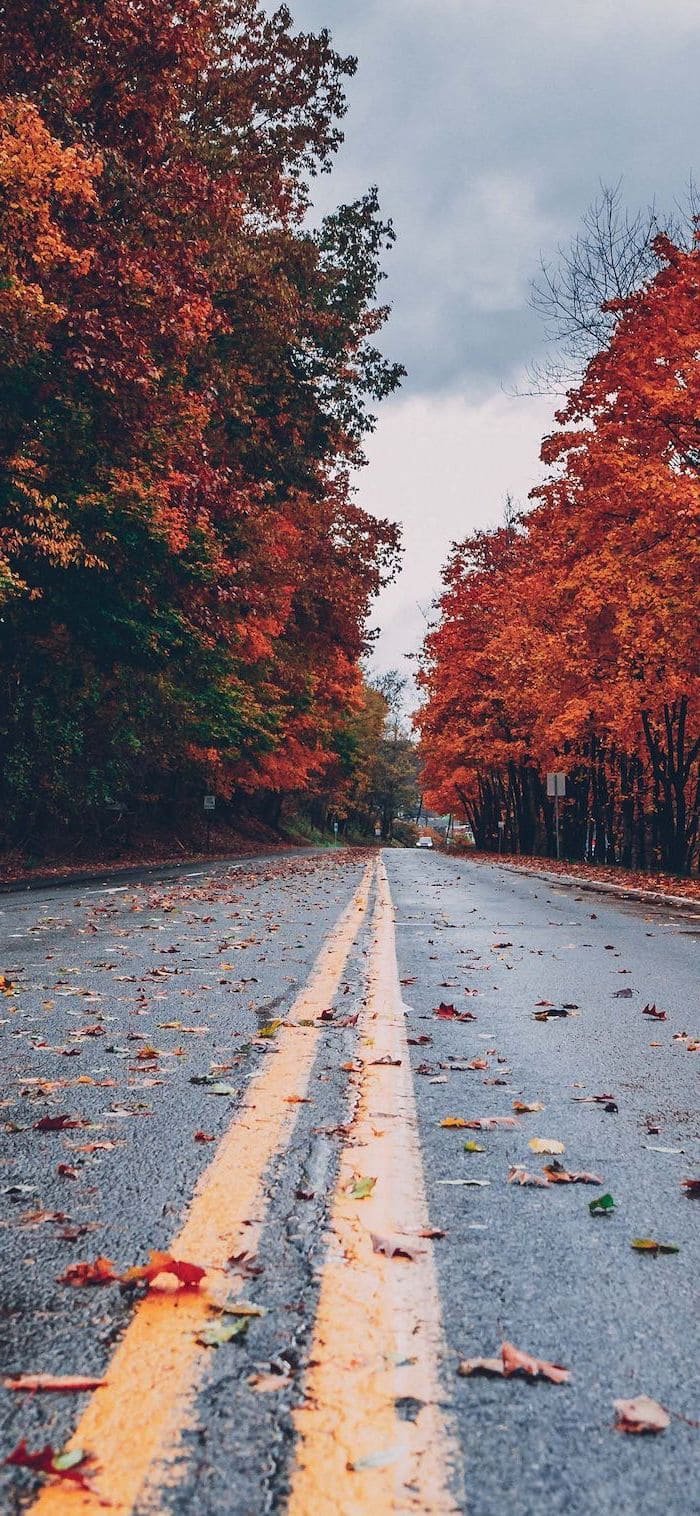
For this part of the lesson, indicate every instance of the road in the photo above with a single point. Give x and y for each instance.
(246, 1072)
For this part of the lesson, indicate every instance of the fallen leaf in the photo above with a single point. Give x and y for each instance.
(450, 1013)
(101, 1271)
(242, 1308)
(514, 1361)
(650, 1010)
(219, 1332)
(477, 1063)
(66, 1171)
(394, 1247)
(68, 1383)
(70, 1465)
(649, 1245)
(518, 1175)
(474, 1183)
(602, 1205)
(58, 1123)
(691, 1187)
(470, 1366)
(471, 1146)
(361, 1188)
(489, 1123)
(517, 1362)
(271, 1028)
(453, 1121)
(433, 1233)
(625, 994)
(245, 1264)
(204, 1137)
(189, 1274)
(546, 1145)
(522, 1108)
(640, 1415)
(557, 1174)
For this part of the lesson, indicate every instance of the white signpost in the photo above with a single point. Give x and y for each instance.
(556, 789)
(209, 808)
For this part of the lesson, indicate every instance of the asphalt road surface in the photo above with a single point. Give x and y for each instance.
(242, 1068)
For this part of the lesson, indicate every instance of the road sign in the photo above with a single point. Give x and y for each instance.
(377, 829)
(209, 802)
(556, 789)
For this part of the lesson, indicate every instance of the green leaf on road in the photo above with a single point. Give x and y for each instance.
(68, 1460)
(601, 1206)
(222, 1331)
(362, 1188)
(271, 1028)
(473, 1147)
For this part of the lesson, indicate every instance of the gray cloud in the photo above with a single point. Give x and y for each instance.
(488, 125)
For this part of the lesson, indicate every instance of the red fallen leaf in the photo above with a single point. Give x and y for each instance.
(650, 1010)
(204, 1137)
(450, 1013)
(385, 1062)
(44, 1461)
(419, 1042)
(478, 1063)
(58, 1123)
(432, 1232)
(189, 1274)
(343, 1021)
(393, 1247)
(99, 1272)
(544, 1002)
(691, 1187)
(517, 1362)
(70, 1383)
(327, 1015)
(640, 1415)
(305, 1194)
(97, 1030)
(66, 1171)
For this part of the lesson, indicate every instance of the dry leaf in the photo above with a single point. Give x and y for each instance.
(546, 1145)
(640, 1415)
(394, 1247)
(522, 1108)
(517, 1362)
(101, 1271)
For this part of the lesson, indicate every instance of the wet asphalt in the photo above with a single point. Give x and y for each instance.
(222, 950)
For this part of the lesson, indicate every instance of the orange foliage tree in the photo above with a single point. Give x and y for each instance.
(568, 640)
(185, 375)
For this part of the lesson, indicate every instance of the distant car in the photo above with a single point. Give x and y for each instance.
(424, 842)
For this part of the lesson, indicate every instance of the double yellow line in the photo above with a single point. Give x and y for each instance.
(372, 1439)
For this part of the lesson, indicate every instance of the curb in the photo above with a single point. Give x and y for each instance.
(625, 892)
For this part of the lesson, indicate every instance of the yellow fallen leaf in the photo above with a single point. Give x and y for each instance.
(453, 1121)
(546, 1145)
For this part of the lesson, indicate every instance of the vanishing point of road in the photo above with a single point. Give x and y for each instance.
(250, 1067)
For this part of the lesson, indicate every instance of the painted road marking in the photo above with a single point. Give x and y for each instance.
(378, 1336)
(134, 1425)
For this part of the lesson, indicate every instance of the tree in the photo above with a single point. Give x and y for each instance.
(188, 374)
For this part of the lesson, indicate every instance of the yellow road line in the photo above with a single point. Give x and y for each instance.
(378, 1336)
(134, 1425)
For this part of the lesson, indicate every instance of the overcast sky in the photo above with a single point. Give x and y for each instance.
(488, 126)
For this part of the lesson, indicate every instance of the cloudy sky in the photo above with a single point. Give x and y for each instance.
(488, 126)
